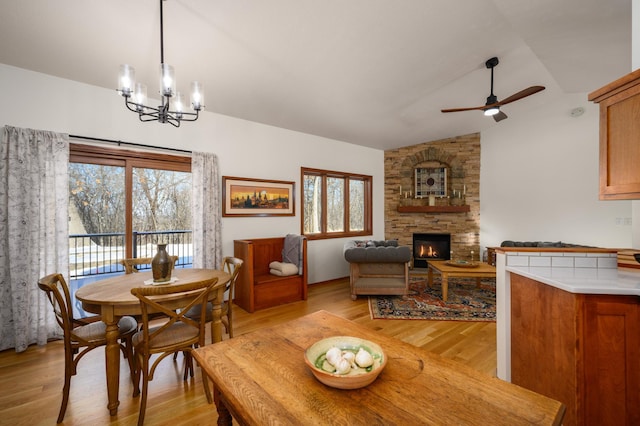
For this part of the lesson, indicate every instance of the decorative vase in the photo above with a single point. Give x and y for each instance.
(161, 265)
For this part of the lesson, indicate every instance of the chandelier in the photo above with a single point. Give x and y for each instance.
(171, 109)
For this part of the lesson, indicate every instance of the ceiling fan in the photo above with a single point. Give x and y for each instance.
(492, 107)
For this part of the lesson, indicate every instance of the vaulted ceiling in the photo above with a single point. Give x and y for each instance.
(369, 72)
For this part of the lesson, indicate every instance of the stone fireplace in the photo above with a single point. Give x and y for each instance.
(430, 247)
(456, 214)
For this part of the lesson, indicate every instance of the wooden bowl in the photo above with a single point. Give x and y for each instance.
(357, 377)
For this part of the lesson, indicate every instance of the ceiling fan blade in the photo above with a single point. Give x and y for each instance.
(463, 109)
(516, 96)
(499, 116)
(521, 94)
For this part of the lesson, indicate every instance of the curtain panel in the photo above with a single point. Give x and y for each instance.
(34, 194)
(206, 211)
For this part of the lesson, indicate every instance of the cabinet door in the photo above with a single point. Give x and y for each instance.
(544, 342)
(612, 360)
(619, 137)
(620, 146)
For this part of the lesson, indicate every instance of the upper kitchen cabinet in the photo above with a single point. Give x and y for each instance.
(619, 137)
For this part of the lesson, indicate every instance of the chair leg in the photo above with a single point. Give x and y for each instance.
(145, 389)
(137, 366)
(230, 321)
(129, 355)
(188, 365)
(65, 390)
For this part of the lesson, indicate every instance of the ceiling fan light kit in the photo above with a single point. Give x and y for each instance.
(171, 109)
(492, 107)
(491, 111)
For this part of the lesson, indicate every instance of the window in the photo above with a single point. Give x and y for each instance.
(122, 203)
(335, 204)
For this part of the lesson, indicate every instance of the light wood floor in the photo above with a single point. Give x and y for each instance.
(31, 382)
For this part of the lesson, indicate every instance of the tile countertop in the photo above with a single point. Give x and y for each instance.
(614, 281)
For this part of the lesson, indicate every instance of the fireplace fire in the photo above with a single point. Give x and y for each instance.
(428, 252)
(430, 247)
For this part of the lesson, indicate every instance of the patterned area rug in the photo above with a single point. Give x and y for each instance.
(465, 301)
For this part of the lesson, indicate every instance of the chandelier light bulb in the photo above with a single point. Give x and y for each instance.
(140, 96)
(126, 79)
(178, 105)
(197, 96)
(167, 80)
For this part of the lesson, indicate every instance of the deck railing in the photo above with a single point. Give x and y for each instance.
(94, 256)
(98, 254)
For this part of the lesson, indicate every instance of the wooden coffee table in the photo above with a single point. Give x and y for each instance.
(447, 269)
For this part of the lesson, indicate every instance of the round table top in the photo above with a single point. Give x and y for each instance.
(116, 291)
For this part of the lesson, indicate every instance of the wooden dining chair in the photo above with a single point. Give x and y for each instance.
(177, 333)
(81, 336)
(232, 266)
(131, 264)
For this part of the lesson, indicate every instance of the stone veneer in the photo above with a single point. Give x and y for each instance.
(461, 155)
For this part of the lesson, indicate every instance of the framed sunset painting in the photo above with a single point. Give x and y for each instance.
(257, 197)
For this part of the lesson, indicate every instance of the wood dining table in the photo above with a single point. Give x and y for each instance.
(112, 299)
(261, 378)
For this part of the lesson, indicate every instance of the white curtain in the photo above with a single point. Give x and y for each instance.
(34, 194)
(206, 210)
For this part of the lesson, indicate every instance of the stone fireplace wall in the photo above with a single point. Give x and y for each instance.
(461, 156)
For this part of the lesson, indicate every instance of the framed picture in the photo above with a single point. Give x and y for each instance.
(431, 181)
(257, 197)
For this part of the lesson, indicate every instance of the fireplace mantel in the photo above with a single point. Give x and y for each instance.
(434, 209)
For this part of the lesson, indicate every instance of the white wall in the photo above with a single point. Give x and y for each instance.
(539, 180)
(539, 174)
(244, 149)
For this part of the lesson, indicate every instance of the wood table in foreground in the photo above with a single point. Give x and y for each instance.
(481, 270)
(261, 378)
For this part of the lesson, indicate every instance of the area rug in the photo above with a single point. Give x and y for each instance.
(465, 301)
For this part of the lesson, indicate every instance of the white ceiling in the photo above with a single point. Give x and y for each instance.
(369, 72)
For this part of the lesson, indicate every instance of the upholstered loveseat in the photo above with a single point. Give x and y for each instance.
(377, 267)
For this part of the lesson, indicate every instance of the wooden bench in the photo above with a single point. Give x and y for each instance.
(256, 288)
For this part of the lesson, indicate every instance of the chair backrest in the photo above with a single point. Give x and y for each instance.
(131, 263)
(58, 294)
(232, 266)
(149, 304)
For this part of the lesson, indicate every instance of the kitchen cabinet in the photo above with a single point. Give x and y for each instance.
(619, 137)
(580, 349)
